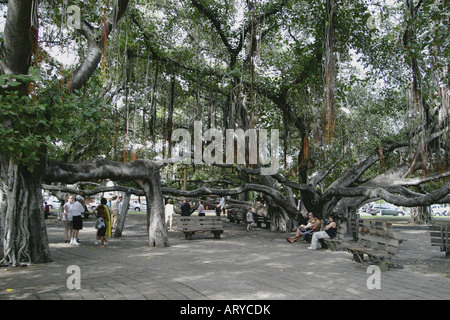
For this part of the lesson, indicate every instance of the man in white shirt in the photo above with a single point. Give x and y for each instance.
(220, 208)
(76, 210)
(120, 204)
(169, 213)
(115, 212)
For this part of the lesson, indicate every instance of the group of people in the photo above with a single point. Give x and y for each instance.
(107, 218)
(72, 220)
(186, 210)
(313, 228)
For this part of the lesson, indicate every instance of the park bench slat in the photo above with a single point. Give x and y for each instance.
(439, 236)
(190, 225)
(377, 240)
(378, 256)
(379, 232)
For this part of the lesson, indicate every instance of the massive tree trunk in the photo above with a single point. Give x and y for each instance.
(156, 225)
(22, 227)
(23, 231)
(420, 215)
(123, 214)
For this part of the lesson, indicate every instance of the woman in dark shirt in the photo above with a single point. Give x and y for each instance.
(328, 233)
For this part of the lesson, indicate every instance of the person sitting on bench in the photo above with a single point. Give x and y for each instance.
(303, 230)
(328, 233)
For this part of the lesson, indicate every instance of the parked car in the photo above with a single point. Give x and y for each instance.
(93, 205)
(369, 207)
(437, 210)
(54, 204)
(136, 206)
(385, 209)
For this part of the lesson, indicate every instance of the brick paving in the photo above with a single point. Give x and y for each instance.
(257, 265)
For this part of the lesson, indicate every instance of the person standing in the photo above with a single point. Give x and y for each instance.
(249, 217)
(220, 208)
(46, 210)
(114, 211)
(104, 202)
(168, 210)
(108, 233)
(201, 209)
(120, 204)
(185, 208)
(76, 210)
(101, 224)
(66, 219)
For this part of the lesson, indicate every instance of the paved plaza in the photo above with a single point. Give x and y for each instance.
(258, 265)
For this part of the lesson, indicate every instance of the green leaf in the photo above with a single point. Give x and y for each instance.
(13, 83)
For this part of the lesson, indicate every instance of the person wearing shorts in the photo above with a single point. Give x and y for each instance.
(66, 219)
(76, 210)
(249, 217)
(101, 224)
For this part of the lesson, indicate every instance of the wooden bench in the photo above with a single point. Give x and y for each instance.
(440, 237)
(189, 225)
(259, 220)
(377, 240)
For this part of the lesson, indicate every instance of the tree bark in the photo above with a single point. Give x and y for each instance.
(420, 215)
(17, 43)
(123, 214)
(94, 53)
(23, 231)
(156, 225)
(24, 238)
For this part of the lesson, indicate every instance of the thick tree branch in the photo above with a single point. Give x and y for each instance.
(277, 196)
(95, 41)
(213, 18)
(438, 196)
(86, 193)
(100, 169)
(16, 45)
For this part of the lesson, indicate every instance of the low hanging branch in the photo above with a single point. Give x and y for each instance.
(438, 196)
(87, 193)
(277, 196)
(100, 169)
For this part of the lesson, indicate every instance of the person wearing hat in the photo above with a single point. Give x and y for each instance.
(76, 210)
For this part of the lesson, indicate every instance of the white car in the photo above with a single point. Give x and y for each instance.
(93, 205)
(136, 206)
(437, 210)
(54, 204)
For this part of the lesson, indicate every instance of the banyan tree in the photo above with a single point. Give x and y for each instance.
(357, 90)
